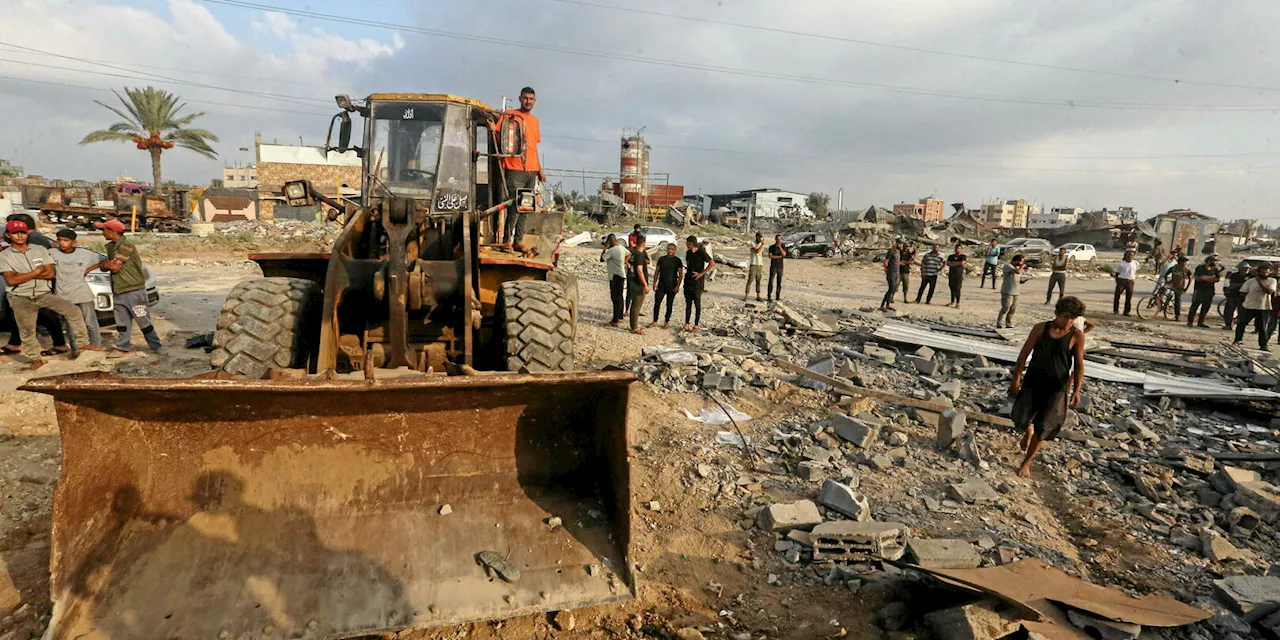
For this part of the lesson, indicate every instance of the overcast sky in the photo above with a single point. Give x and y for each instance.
(725, 106)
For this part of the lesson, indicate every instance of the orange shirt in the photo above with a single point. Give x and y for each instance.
(532, 136)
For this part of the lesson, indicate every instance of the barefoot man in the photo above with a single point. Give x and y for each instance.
(1054, 376)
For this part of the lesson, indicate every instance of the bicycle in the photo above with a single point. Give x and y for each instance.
(1160, 302)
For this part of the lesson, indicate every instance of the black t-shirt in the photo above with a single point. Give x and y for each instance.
(1201, 285)
(697, 261)
(1236, 280)
(668, 267)
(904, 264)
(639, 265)
(956, 270)
(776, 255)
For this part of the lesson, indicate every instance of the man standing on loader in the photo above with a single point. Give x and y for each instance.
(525, 171)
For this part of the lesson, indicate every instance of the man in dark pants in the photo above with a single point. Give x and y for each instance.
(1256, 305)
(1126, 275)
(955, 275)
(698, 263)
(991, 264)
(525, 171)
(667, 275)
(892, 272)
(614, 258)
(1058, 277)
(1205, 281)
(776, 255)
(1178, 280)
(128, 287)
(637, 282)
(1232, 293)
(930, 267)
(906, 258)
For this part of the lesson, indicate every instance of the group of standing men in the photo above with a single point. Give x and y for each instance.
(47, 286)
(628, 271)
(897, 264)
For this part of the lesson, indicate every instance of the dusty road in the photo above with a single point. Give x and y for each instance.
(701, 564)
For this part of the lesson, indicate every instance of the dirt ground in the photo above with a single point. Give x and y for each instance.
(699, 566)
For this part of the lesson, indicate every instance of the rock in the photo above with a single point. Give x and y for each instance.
(854, 431)
(925, 352)
(689, 633)
(944, 553)
(563, 620)
(895, 616)
(843, 499)
(711, 379)
(1253, 597)
(1208, 497)
(980, 362)
(883, 355)
(1271, 624)
(1227, 623)
(1229, 479)
(978, 621)
(1141, 430)
(898, 439)
(736, 349)
(1242, 521)
(967, 446)
(924, 366)
(1185, 539)
(847, 369)
(1217, 548)
(783, 517)
(842, 541)
(704, 470)
(810, 470)
(653, 505)
(769, 339)
(445, 510)
(951, 424)
(951, 388)
(974, 492)
(1262, 497)
(1103, 629)
(881, 463)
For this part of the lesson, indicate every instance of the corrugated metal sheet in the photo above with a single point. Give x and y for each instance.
(1161, 385)
(911, 334)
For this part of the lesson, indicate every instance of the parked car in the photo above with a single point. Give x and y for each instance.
(653, 236)
(1033, 250)
(1256, 261)
(807, 243)
(99, 282)
(1079, 251)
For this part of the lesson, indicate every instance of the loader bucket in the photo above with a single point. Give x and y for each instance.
(228, 508)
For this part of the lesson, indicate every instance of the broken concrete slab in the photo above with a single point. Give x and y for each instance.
(881, 462)
(973, 491)
(1217, 548)
(783, 517)
(843, 499)
(1102, 628)
(951, 424)
(924, 366)
(1252, 597)
(1229, 478)
(925, 352)
(977, 621)
(1263, 497)
(951, 388)
(943, 553)
(847, 542)
(854, 431)
(810, 470)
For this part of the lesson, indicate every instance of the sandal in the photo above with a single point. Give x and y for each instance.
(9, 351)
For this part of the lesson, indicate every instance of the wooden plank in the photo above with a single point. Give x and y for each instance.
(936, 407)
(1231, 456)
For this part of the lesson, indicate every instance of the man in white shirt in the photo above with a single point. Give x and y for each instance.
(1256, 306)
(755, 266)
(613, 258)
(1126, 274)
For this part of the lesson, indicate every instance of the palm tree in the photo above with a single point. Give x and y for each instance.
(153, 121)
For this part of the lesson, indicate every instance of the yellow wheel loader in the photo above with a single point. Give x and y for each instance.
(439, 461)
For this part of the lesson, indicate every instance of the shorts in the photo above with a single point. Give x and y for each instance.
(1043, 410)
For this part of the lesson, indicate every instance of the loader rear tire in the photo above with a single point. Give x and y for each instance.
(266, 323)
(535, 321)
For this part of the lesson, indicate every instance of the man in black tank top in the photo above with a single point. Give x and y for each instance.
(1054, 377)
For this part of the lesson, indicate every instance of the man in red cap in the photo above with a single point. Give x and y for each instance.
(28, 271)
(128, 287)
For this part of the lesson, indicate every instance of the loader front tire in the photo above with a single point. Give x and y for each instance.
(535, 325)
(266, 323)
(569, 283)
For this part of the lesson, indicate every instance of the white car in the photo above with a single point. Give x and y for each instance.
(1079, 251)
(654, 237)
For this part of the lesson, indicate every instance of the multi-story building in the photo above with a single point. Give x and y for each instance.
(1008, 214)
(765, 203)
(241, 175)
(1057, 218)
(928, 209)
(9, 169)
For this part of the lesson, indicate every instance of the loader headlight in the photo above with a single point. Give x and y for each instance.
(296, 193)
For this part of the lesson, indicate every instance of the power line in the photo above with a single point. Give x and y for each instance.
(282, 98)
(1090, 104)
(197, 101)
(886, 45)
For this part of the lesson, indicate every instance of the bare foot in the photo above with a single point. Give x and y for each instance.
(697, 328)
(638, 332)
(1024, 472)
(35, 364)
(653, 324)
(687, 327)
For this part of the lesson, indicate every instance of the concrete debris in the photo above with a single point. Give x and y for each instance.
(982, 620)
(854, 431)
(848, 542)
(943, 553)
(1217, 548)
(843, 499)
(1252, 597)
(1102, 628)
(951, 424)
(894, 616)
(974, 492)
(781, 517)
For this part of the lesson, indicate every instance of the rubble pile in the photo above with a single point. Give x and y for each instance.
(282, 228)
(908, 472)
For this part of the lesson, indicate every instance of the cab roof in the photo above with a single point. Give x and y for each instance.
(430, 97)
